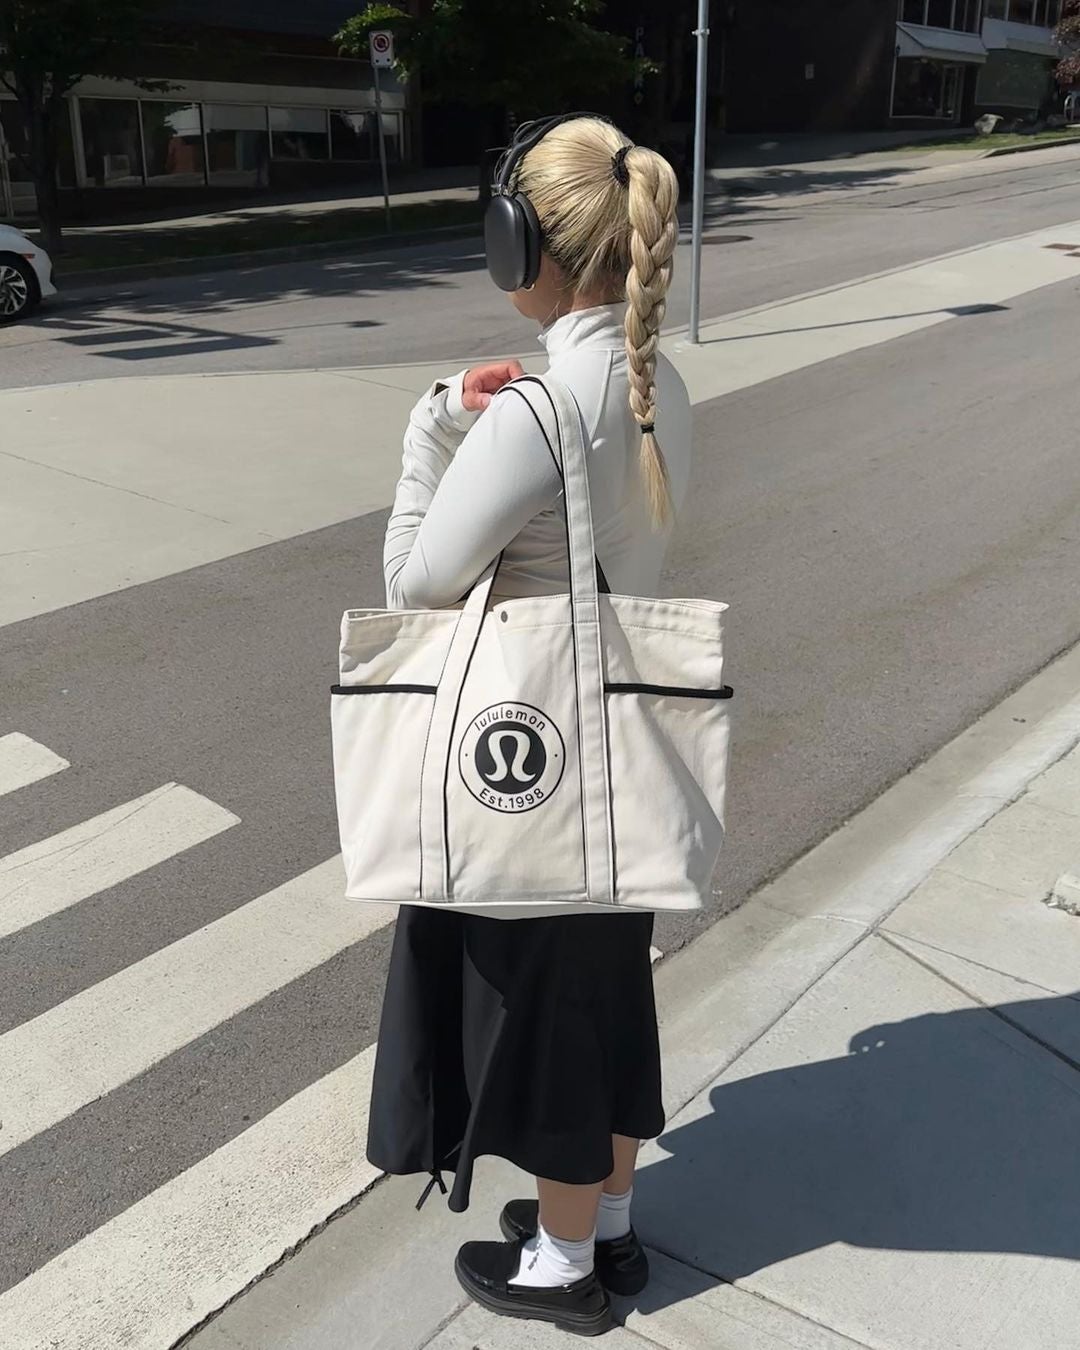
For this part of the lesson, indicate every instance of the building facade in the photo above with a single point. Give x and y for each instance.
(253, 96)
(876, 64)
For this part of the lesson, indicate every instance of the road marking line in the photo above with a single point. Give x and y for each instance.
(147, 1276)
(104, 1036)
(23, 761)
(58, 872)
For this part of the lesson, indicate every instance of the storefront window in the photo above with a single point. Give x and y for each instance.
(110, 129)
(939, 13)
(238, 144)
(19, 148)
(927, 89)
(1014, 80)
(1021, 11)
(352, 135)
(913, 11)
(15, 139)
(299, 133)
(172, 135)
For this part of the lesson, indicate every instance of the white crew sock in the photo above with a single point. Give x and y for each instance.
(547, 1261)
(613, 1216)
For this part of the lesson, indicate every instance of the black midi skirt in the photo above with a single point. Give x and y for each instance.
(533, 1039)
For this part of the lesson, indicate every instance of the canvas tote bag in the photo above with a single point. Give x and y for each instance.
(555, 748)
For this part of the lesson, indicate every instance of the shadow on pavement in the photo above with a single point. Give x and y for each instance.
(954, 312)
(948, 1132)
(789, 179)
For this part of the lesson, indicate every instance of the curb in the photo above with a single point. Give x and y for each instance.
(223, 262)
(1030, 149)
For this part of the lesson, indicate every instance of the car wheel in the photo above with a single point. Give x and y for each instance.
(19, 292)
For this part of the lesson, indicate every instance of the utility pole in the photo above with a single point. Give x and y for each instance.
(702, 35)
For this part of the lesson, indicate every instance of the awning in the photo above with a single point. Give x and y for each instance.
(939, 44)
(1020, 37)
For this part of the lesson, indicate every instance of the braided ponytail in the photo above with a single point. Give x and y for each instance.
(654, 232)
(608, 211)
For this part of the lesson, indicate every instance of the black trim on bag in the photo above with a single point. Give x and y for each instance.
(602, 584)
(673, 691)
(383, 688)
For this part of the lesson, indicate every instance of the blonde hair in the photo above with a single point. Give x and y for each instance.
(610, 237)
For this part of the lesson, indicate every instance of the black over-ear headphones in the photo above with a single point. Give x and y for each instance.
(512, 234)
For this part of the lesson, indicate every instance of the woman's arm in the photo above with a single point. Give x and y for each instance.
(459, 505)
(437, 425)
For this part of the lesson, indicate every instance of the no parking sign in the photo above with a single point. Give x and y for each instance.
(381, 45)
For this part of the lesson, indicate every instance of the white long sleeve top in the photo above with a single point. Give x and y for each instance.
(475, 484)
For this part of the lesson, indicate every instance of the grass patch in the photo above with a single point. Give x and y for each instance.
(999, 141)
(251, 234)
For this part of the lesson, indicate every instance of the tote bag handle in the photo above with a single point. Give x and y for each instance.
(598, 831)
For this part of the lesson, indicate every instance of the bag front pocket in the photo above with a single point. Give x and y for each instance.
(669, 753)
(378, 733)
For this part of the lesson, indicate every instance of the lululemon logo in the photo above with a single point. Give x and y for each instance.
(512, 757)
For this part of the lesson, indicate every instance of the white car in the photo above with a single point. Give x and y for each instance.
(26, 275)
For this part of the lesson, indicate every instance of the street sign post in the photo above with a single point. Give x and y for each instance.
(381, 48)
(702, 35)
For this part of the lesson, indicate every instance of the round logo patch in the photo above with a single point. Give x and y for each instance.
(512, 757)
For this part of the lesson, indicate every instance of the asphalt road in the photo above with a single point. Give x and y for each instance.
(436, 302)
(897, 531)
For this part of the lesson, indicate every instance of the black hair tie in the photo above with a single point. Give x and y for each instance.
(649, 426)
(618, 165)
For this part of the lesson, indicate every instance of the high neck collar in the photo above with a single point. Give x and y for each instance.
(599, 327)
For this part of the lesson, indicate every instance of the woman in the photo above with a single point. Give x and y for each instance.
(535, 1037)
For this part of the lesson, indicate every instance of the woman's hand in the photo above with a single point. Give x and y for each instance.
(483, 381)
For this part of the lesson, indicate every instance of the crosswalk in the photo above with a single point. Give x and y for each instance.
(148, 1274)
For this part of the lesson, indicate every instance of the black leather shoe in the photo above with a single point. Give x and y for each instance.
(621, 1263)
(484, 1270)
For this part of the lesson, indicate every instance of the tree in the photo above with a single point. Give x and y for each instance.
(46, 47)
(1068, 34)
(532, 56)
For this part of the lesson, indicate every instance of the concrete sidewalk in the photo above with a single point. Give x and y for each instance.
(873, 1078)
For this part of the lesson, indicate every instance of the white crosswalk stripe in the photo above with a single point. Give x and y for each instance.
(58, 872)
(114, 1030)
(148, 1275)
(23, 761)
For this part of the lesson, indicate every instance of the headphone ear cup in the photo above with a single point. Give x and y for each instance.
(533, 240)
(505, 231)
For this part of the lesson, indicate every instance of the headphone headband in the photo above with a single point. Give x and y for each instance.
(526, 136)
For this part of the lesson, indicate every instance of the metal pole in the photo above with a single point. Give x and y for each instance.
(702, 35)
(382, 148)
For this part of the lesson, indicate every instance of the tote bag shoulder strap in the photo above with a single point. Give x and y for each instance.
(534, 391)
(569, 446)
(557, 407)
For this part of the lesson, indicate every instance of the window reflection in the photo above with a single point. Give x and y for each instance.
(110, 130)
(299, 133)
(172, 134)
(238, 144)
